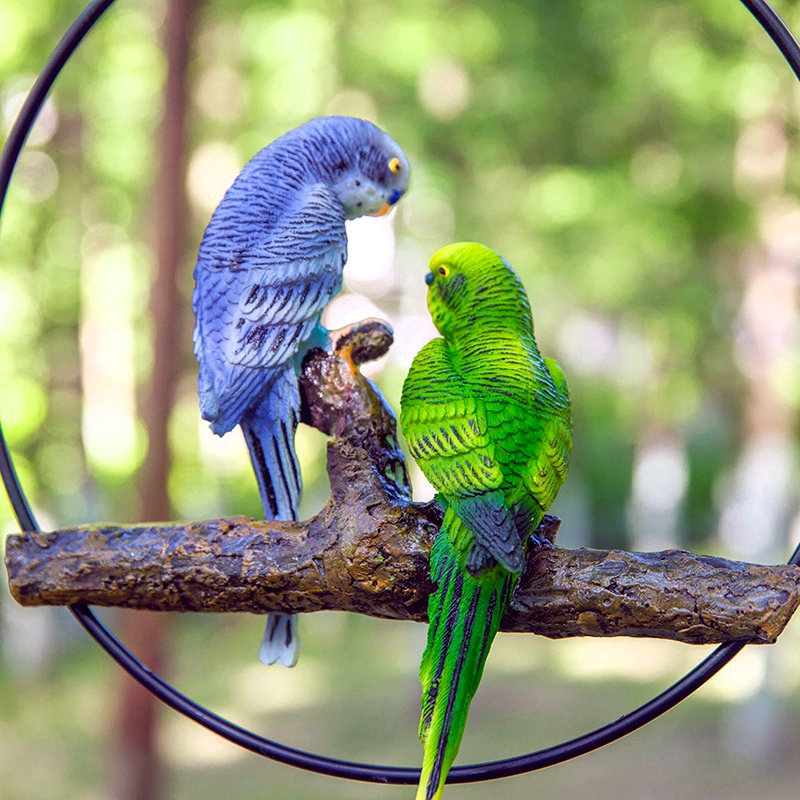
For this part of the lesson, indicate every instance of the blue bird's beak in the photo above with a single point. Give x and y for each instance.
(386, 207)
(429, 278)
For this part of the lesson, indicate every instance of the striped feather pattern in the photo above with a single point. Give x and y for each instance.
(465, 614)
(270, 260)
(488, 421)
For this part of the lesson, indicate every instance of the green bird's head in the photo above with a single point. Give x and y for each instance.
(470, 284)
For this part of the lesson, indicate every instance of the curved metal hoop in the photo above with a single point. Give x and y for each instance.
(680, 690)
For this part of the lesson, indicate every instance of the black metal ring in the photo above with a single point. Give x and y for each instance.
(786, 43)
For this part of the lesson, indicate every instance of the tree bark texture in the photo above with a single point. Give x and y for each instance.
(367, 550)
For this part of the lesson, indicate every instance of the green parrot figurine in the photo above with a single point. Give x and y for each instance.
(488, 421)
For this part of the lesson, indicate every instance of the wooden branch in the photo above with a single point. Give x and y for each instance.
(238, 564)
(367, 550)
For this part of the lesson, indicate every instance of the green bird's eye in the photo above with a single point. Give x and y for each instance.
(443, 271)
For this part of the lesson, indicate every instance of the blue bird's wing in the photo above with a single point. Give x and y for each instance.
(261, 285)
(257, 308)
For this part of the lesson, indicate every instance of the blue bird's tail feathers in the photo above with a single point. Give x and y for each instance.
(466, 611)
(269, 432)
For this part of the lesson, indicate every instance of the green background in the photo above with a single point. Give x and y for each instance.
(638, 164)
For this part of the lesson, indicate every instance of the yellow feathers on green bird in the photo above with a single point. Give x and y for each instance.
(488, 421)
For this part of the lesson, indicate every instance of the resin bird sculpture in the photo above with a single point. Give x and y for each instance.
(488, 421)
(270, 260)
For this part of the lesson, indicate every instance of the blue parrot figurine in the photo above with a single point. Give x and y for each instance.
(270, 260)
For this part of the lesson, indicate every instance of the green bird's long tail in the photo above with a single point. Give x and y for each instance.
(465, 613)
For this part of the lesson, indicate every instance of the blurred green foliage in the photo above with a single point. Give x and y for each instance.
(628, 158)
(593, 144)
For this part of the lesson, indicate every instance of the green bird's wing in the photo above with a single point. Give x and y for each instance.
(445, 425)
(547, 469)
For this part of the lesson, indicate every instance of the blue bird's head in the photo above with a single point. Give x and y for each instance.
(367, 169)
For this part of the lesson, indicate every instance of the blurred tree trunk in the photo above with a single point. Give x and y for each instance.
(658, 488)
(137, 772)
(764, 339)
